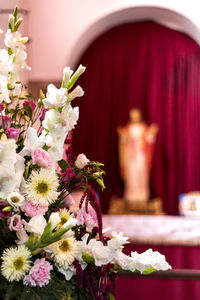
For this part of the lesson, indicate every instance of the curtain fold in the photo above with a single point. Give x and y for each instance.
(156, 69)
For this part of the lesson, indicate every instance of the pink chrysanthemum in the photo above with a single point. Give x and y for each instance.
(32, 210)
(39, 274)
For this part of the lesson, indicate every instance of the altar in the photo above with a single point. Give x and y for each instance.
(178, 238)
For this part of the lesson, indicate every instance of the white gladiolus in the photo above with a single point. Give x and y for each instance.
(101, 254)
(117, 240)
(56, 98)
(8, 181)
(67, 73)
(70, 115)
(4, 92)
(36, 224)
(77, 92)
(54, 219)
(149, 259)
(6, 61)
(12, 39)
(31, 142)
(124, 261)
(22, 237)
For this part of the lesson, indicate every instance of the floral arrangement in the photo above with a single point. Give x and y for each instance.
(46, 251)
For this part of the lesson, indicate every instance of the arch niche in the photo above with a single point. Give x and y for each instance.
(160, 74)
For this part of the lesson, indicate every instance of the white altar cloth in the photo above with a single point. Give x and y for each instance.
(162, 230)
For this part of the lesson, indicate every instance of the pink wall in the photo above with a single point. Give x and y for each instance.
(60, 30)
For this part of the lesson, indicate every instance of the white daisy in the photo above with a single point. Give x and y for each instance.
(65, 251)
(41, 187)
(16, 263)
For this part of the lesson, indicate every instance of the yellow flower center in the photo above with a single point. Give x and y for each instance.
(14, 199)
(42, 188)
(64, 246)
(64, 220)
(18, 264)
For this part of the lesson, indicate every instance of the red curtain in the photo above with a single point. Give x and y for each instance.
(156, 69)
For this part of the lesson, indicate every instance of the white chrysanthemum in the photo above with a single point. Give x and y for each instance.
(65, 251)
(41, 187)
(16, 263)
(15, 199)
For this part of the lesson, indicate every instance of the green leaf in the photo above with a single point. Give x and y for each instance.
(111, 297)
(28, 110)
(17, 23)
(15, 12)
(149, 271)
(63, 165)
(42, 95)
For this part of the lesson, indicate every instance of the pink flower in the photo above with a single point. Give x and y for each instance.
(34, 210)
(31, 104)
(39, 273)
(41, 158)
(12, 133)
(81, 161)
(67, 176)
(1, 107)
(89, 219)
(5, 121)
(15, 223)
(42, 114)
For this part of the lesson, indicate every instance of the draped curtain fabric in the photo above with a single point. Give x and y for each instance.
(156, 69)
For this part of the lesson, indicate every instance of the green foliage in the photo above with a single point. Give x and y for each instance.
(63, 165)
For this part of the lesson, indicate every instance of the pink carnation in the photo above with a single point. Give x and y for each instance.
(32, 210)
(39, 274)
(89, 219)
(31, 104)
(15, 223)
(81, 161)
(5, 121)
(41, 158)
(12, 133)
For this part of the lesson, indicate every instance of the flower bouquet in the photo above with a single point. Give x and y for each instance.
(48, 252)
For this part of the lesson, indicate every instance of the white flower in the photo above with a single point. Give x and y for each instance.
(8, 152)
(117, 240)
(13, 40)
(32, 142)
(15, 199)
(8, 182)
(77, 92)
(6, 61)
(41, 187)
(15, 263)
(70, 115)
(4, 92)
(20, 59)
(66, 250)
(11, 168)
(67, 72)
(67, 272)
(101, 254)
(54, 219)
(81, 161)
(53, 120)
(55, 140)
(124, 261)
(22, 237)
(55, 98)
(149, 259)
(36, 224)
(62, 218)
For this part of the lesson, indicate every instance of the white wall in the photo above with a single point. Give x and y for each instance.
(59, 28)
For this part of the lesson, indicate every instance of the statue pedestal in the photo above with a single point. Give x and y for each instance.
(151, 207)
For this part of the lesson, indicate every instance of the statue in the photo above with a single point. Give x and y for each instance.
(136, 142)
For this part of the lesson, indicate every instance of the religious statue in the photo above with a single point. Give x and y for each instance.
(136, 142)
